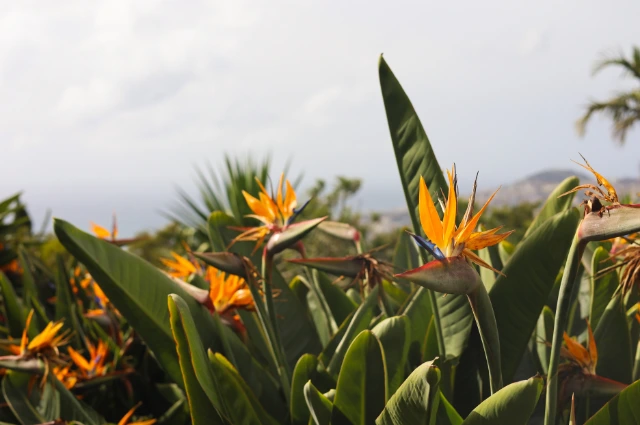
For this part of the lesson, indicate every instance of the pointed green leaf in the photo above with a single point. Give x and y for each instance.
(511, 405)
(340, 230)
(613, 342)
(555, 203)
(519, 296)
(418, 309)
(622, 409)
(415, 158)
(204, 406)
(416, 401)
(292, 234)
(488, 276)
(242, 405)
(361, 390)
(350, 266)
(305, 369)
(603, 288)
(339, 303)
(334, 352)
(298, 333)
(447, 415)
(319, 406)
(394, 334)
(228, 262)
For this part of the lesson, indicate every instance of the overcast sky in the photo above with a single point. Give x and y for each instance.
(106, 106)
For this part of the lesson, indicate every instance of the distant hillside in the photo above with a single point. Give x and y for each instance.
(530, 189)
(536, 187)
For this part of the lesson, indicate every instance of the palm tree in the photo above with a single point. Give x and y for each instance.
(623, 108)
(220, 189)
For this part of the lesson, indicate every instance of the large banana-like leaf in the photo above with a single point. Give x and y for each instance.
(554, 204)
(205, 405)
(415, 158)
(139, 291)
(416, 401)
(602, 288)
(622, 409)
(519, 295)
(361, 390)
(511, 405)
(394, 334)
(613, 343)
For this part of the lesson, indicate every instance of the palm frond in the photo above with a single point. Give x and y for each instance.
(220, 189)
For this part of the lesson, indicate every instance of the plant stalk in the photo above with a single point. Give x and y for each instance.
(488, 328)
(281, 360)
(275, 348)
(225, 341)
(562, 316)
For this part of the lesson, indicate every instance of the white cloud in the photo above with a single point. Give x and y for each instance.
(317, 109)
(131, 94)
(534, 40)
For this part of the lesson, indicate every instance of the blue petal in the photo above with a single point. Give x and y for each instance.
(429, 246)
(296, 212)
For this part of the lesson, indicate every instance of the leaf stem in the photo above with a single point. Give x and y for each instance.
(274, 334)
(488, 328)
(562, 316)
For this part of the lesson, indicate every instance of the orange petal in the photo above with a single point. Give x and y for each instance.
(593, 350)
(79, 359)
(279, 194)
(290, 201)
(100, 231)
(128, 415)
(429, 218)
(479, 261)
(449, 221)
(185, 265)
(256, 206)
(25, 338)
(484, 239)
(270, 207)
(577, 351)
(464, 234)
